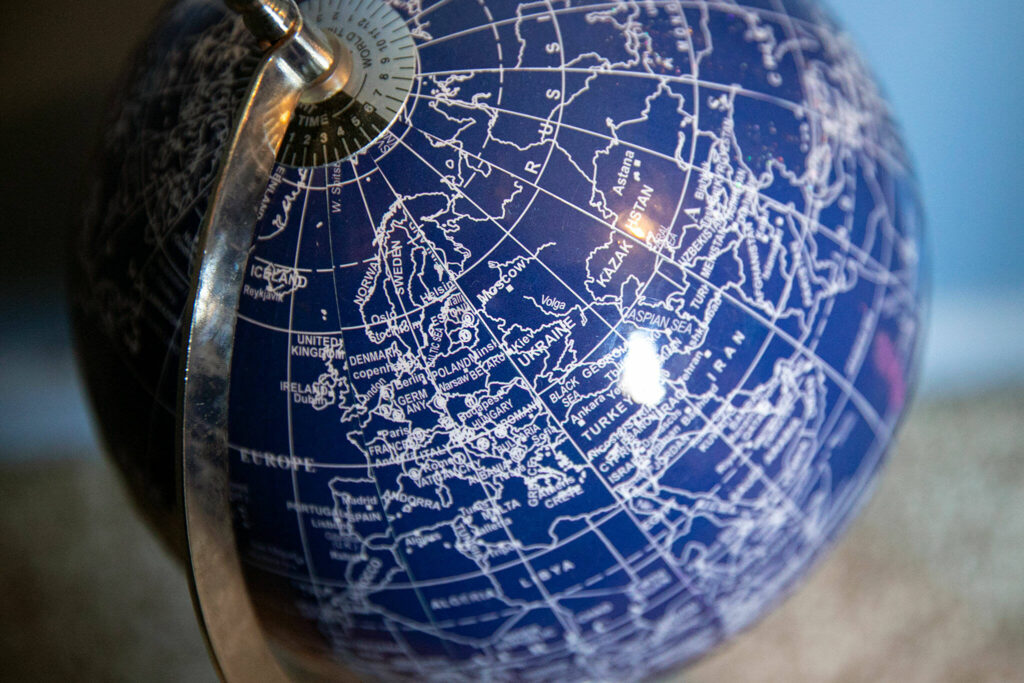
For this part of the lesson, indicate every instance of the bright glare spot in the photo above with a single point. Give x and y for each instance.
(641, 370)
(642, 227)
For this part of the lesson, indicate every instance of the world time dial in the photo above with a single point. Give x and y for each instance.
(383, 67)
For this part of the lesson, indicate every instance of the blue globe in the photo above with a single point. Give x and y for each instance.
(564, 365)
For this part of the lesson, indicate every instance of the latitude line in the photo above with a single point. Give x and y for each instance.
(762, 12)
(881, 440)
(509, 232)
(709, 422)
(695, 130)
(866, 408)
(299, 517)
(600, 517)
(372, 470)
(621, 503)
(424, 605)
(788, 287)
(684, 166)
(794, 107)
(423, 13)
(694, 69)
(559, 125)
(395, 633)
(812, 214)
(556, 610)
(529, 387)
(533, 255)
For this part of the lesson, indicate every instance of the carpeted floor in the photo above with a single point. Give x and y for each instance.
(927, 586)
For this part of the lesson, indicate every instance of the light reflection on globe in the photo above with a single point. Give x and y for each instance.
(569, 372)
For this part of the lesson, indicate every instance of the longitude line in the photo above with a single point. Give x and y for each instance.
(555, 609)
(866, 408)
(370, 469)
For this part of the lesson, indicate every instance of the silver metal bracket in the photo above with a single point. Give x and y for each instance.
(301, 62)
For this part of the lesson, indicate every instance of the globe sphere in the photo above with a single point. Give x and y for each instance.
(564, 360)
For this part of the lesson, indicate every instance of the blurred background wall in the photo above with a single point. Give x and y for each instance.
(954, 71)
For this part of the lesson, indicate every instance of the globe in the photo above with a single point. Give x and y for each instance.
(568, 341)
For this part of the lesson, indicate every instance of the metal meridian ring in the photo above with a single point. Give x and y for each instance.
(300, 56)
